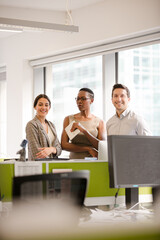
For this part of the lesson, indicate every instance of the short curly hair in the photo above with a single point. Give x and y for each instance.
(88, 90)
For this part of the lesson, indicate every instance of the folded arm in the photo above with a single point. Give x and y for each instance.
(66, 145)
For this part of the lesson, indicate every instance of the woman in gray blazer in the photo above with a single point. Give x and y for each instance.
(40, 133)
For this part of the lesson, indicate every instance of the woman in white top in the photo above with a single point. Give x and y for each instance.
(40, 133)
(92, 128)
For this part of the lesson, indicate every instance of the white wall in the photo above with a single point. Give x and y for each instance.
(100, 22)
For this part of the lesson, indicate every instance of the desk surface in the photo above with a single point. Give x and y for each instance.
(13, 161)
(90, 223)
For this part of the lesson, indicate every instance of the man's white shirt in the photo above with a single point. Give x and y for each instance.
(129, 123)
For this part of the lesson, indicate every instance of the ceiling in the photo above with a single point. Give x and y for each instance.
(55, 5)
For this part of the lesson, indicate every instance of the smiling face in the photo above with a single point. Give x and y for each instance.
(120, 100)
(84, 100)
(42, 107)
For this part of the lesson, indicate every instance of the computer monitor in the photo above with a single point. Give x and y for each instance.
(134, 161)
(70, 186)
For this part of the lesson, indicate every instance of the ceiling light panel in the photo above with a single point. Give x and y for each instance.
(22, 24)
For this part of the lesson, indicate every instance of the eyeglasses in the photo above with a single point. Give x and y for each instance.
(82, 98)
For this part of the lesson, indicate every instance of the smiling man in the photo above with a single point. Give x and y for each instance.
(125, 121)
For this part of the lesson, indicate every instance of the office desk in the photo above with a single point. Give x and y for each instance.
(53, 222)
(99, 192)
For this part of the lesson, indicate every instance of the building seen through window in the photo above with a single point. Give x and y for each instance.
(139, 69)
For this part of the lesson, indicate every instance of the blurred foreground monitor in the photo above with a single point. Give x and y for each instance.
(66, 187)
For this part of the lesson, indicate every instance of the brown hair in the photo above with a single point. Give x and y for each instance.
(119, 85)
(41, 96)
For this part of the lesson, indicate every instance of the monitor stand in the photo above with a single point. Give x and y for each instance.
(155, 194)
(131, 196)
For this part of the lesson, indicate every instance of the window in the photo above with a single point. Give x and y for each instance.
(143, 79)
(67, 79)
(136, 61)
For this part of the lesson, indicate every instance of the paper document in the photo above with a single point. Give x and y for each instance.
(70, 134)
(27, 168)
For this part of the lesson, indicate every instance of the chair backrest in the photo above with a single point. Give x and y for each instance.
(61, 186)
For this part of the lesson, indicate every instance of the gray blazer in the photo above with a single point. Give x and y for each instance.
(38, 138)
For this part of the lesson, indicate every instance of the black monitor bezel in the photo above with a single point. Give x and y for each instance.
(112, 158)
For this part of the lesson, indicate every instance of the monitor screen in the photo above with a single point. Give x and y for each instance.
(134, 161)
(61, 186)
